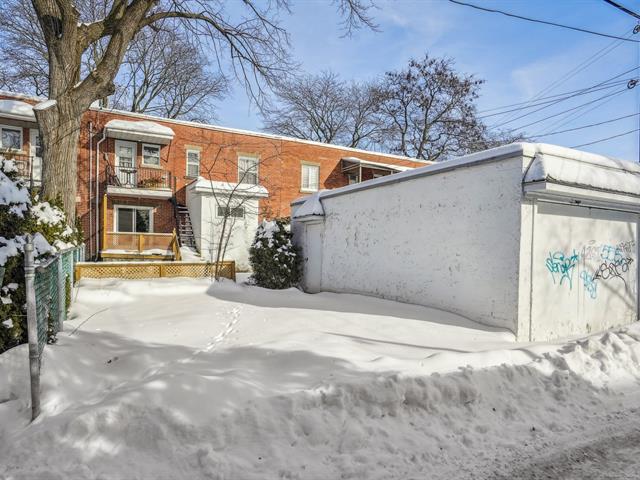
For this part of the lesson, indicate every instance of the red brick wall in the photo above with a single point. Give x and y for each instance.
(280, 165)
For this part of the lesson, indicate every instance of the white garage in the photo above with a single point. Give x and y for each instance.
(539, 239)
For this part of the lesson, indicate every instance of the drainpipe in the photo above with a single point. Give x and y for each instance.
(104, 137)
(90, 182)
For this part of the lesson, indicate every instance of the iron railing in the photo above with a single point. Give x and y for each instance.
(29, 168)
(138, 177)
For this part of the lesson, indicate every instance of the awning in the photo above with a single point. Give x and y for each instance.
(349, 163)
(17, 110)
(142, 131)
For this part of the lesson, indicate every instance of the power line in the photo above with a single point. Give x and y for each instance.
(586, 126)
(569, 110)
(545, 22)
(623, 8)
(559, 98)
(607, 138)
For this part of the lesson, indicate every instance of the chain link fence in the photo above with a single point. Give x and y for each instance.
(49, 293)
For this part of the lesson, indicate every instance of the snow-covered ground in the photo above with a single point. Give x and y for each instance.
(182, 378)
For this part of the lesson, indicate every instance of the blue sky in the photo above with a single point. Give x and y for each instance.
(517, 59)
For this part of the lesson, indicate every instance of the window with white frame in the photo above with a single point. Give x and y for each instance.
(193, 163)
(151, 155)
(234, 212)
(310, 177)
(134, 219)
(10, 138)
(248, 169)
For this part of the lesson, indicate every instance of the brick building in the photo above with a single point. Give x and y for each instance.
(141, 177)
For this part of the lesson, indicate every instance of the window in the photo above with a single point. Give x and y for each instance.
(235, 212)
(134, 219)
(11, 138)
(310, 177)
(193, 163)
(151, 155)
(248, 170)
(352, 178)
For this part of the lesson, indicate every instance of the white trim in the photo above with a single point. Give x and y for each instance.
(35, 160)
(13, 127)
(154, 145)
(302, 187)
(199, 152)
(138, 207)
(245, 156)
(164, 193)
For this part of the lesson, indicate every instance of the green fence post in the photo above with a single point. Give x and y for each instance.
(62, 290)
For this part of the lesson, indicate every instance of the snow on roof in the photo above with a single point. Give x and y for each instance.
(386, 166)
(142, 130)
(550, 163)
(204, 185)
(580, 169)
(312, 207)
(17, 109)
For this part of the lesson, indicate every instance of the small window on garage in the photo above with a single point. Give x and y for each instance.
(233, 212)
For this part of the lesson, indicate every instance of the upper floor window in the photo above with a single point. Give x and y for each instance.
(151, 155)
(248, 170)
(193, 163)
(10, 138)
(310, 177)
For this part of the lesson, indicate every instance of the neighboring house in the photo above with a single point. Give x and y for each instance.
(539, 239)
(141, 177)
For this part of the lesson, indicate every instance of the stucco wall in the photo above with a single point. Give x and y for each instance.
(449, 240)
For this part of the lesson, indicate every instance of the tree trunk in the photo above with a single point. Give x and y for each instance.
(60, 131)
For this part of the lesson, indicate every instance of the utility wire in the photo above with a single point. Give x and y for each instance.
(568, 110)
(545, 22)
(558, 98)
(623, 8)
(607, 138)
(586, 126)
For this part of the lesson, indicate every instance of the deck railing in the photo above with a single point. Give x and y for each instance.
(138, 177)
(139, 242)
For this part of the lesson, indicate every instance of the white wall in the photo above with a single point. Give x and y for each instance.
(203, 212)
(449, 240)
(571, 244)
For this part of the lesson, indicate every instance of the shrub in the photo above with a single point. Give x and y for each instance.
(274, 259)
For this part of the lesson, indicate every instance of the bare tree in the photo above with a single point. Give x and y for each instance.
(429, 110)
(252, 43)
(168, 76)
(323, 108)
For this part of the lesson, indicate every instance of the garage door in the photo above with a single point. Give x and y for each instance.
(584, 268)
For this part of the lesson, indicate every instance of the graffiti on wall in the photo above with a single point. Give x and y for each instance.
(600, 262)
(561, 266)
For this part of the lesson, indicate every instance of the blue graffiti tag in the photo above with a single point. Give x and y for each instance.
(589, 283)
(612, 254)
(560, 264)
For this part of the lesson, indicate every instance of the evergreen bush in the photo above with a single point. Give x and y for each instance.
(274, 259)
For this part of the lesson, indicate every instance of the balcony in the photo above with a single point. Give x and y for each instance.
(138, 181)
(29, 168)
(140, 246)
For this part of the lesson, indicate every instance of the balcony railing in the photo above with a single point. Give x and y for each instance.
(29, 168)
(138, 177)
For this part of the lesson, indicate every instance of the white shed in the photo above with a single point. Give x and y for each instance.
(208, 201)
(539, 239)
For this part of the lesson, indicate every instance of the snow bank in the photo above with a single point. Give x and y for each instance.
(311, 207)
(189, 379)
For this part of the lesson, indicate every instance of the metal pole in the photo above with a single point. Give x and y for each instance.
(62, 294)
(32, 328)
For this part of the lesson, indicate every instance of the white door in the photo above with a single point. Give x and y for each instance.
(312, 255)
(35, 152)
(126, 163)
(584, 270)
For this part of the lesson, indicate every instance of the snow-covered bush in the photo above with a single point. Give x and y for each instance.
(19, 216)
(274, 259)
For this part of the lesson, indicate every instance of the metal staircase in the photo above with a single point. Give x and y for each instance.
(185, 228)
